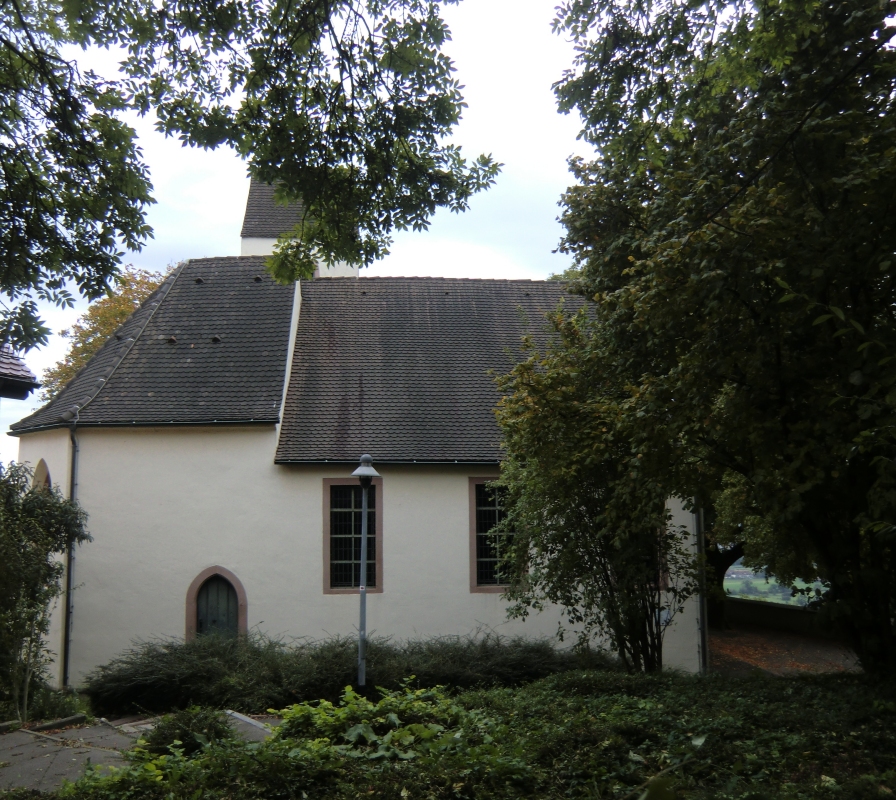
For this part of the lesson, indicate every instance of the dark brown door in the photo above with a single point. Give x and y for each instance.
(217, 607)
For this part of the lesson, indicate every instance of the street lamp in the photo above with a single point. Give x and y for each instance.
(365, 475)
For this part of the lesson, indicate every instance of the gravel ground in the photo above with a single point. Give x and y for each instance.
(741, 651)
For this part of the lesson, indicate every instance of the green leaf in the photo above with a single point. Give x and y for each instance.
(362, 729)
(838, 313)
(822, 318)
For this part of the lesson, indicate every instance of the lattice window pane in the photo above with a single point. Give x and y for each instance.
(489, 547)
(345, 536)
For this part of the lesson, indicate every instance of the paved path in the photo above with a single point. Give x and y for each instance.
(43, 761)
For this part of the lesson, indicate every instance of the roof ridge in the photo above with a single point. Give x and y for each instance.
(438, 278)
(163, 290)
(225, 258)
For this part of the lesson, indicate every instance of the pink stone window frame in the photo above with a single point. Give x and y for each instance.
(378, 512)
(242, 620)
(475, 588)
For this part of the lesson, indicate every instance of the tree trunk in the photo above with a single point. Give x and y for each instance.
(717, 563)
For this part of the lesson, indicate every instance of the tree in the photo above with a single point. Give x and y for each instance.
(587, 512)
(37, 526)
(735, 238)
(98, 324)
(342, 104)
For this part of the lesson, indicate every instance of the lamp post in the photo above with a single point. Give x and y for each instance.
(365, 475)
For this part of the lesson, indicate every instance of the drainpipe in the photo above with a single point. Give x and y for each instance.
(70, 565)
(704, 631)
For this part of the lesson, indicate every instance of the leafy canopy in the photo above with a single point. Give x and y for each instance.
(735, 237)
(98, 324)
(344, 105)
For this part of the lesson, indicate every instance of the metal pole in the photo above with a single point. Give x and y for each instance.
(362, 627)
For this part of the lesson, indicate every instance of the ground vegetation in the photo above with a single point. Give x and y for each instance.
(187, 731)
(574, 735)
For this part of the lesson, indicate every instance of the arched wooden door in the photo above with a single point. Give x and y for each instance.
(217, 607)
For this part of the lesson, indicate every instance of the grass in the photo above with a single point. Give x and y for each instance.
(579, 734)
(742, 582)
(255, 673)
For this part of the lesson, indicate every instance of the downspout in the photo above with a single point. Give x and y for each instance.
(70, 565)
(703, 616)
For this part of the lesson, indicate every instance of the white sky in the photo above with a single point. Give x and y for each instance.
(507, 58)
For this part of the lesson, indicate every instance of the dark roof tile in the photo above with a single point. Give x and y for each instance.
(403, 368)
(143, 376)
(16, 380)
(266, 219)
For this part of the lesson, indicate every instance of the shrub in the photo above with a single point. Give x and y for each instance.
(255, 673)
(423, 724)
(189, 730)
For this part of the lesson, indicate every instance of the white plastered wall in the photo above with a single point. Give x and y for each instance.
(683, 640)
(164, 504)
(258, 246)
(54, 447)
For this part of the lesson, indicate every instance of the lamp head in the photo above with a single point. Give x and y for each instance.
(366, 473)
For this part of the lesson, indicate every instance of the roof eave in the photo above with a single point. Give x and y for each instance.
(16, 389)
(440, 462)
(147, 424)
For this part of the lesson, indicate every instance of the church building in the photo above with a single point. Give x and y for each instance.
(212, 441)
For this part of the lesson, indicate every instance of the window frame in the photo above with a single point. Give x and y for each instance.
(476, 588)
(378, 538)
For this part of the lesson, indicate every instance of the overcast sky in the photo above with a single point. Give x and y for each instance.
(507, 58)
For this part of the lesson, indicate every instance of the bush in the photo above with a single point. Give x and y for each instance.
(189, 730)
(255, 673)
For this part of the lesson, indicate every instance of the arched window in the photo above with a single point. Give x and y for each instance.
(217, 607)
(216, 603)
(41, 476)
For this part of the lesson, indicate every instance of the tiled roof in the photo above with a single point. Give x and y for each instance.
(208, 346)
(264, 218)
(16, 380)
(401, 368)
